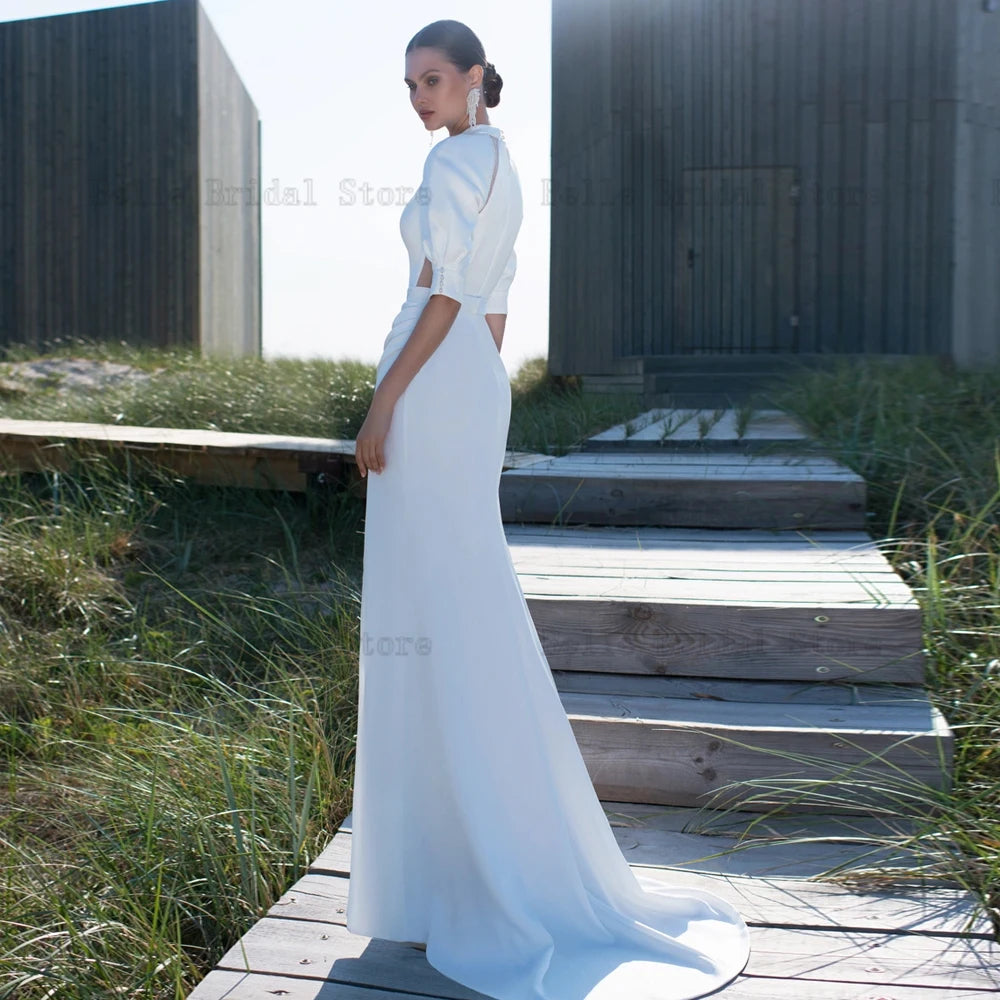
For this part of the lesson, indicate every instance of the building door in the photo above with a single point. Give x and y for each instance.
(735, 273)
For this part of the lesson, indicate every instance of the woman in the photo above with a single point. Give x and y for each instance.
(477, 828)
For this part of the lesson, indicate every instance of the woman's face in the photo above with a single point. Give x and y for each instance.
(438, 89)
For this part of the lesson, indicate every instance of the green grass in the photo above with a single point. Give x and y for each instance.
(176, 721)
(927, 440)
(178, 673)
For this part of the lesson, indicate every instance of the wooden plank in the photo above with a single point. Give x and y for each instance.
(707, 556)
(753, 756)
(852, 203)
(703, 562)
(61, 430)
(689, 640)
(731, 826)
(750, 828)
(229, 468)
(228, 458)
(522, 459)
(734, 501)
(761, 901)
(833, 544)
(833, 722)
(919, 278)
(790, 846)
(764, 691)
(722, 588)
(894, 330)
(761, 988)
(221, 984)
(880, 959)
(685, 465)
(323, 949)
(224, 985)
(815, 465)
(866, 567)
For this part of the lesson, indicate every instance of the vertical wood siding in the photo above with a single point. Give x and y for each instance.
(99, 182)
(778, 176)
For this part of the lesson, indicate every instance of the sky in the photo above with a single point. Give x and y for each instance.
(336, 122)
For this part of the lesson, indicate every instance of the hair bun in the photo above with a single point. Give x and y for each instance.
(492, 83)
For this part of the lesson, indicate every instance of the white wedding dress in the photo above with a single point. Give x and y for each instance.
(476, 826)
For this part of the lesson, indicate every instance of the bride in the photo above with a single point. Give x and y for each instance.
(477, 831)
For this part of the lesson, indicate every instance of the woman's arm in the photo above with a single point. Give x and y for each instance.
(436, 319)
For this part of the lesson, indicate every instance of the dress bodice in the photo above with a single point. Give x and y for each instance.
(465, 217)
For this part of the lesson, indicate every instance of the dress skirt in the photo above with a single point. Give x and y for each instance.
(476, 825)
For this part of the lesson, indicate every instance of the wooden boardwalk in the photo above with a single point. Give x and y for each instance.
(808, 939)
(718, 622)
(730, 430)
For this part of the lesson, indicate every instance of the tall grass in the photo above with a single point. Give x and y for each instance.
(926, 437)
(177, 735)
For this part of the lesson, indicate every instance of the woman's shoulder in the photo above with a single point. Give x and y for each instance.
(463, 146)
(467, 154)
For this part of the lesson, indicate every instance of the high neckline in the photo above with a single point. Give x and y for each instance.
(480, 127)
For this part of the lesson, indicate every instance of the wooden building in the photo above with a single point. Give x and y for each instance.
(129, 182)
(741, 182)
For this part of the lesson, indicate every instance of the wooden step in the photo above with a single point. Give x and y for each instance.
(741, 604)
(681, 489)
(735, 842)
(720, 429)
(757, 753)
(737, 386)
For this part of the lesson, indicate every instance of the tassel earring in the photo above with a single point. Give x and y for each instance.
(471, 103)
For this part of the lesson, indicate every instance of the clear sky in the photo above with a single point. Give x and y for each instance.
(336, 122)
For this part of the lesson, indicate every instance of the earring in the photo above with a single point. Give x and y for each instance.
(471, 103)
(431, 142)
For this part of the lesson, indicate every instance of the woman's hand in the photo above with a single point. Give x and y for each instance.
(369, 446)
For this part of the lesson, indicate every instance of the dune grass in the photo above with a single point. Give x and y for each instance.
(177, 682)
(926, 437)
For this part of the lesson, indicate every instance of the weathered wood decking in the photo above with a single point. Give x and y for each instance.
(724, 428)
(682, 488)
(808, 939)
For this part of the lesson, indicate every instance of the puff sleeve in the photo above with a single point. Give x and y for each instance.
(452, 197)
(497, 300)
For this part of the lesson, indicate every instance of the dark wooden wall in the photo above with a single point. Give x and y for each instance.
(737, 177)
(100, 195)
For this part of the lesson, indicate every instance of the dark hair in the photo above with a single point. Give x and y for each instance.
(464, 49)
